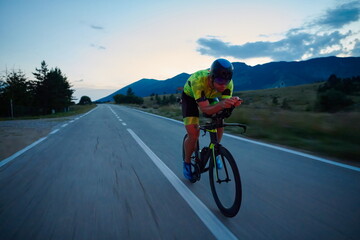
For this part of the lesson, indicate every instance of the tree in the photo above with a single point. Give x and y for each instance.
(275, 100)
(157, 99)
(172, 99)
(285, 104)
(41, 72)
(332, 100)
(332, 95)
(53, 91)
(84, 100)
(50, 90)
(130, 92)
(165, 100)
(120, 98)
(129, 98)
(15, 96)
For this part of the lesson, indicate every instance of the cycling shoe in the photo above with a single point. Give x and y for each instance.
(187, 171)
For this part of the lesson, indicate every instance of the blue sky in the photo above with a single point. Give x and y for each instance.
(102, 46)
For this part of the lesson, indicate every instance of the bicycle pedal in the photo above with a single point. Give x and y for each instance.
(198, 177)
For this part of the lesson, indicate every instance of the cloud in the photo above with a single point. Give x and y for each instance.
(300, 43)
(356, 50)
(340, 16)
(96, 27)
(99, 47)
(294, 46)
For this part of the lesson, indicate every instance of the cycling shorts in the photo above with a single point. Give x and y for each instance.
(190, 110)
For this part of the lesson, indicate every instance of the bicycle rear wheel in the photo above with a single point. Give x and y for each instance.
(226, 184)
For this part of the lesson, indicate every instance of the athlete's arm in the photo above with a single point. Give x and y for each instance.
(208, 109)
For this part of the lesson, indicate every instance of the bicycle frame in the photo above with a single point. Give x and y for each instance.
(217, 121)
(205, 159)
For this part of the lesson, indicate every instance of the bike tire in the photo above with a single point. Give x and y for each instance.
(231, 206)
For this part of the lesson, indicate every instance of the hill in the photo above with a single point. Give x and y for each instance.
(264, 76)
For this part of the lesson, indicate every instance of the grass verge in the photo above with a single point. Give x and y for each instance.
(73, 110)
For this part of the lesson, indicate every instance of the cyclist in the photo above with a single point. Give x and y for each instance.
(200, 91)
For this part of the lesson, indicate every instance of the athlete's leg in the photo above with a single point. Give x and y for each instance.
(193, 133)
(190, 113)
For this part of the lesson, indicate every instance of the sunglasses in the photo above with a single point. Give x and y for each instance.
(221, 81)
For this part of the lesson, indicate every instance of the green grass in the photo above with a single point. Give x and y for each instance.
(73, 110)
(298, 98)
(333, 135)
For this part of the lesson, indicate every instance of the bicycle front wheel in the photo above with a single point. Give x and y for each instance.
(225, 183)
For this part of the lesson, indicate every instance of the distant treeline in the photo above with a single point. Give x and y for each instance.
(130, 97)
(49, 92)
(164, 100)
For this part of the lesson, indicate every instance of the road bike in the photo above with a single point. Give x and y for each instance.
(225, 182)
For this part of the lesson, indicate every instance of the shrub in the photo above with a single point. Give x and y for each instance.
(332, 95)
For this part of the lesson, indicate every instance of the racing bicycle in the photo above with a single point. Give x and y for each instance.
(225, 183)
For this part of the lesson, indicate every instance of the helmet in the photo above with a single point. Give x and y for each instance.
(221, 71)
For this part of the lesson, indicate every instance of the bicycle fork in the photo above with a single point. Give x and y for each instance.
(213, 152)
(215, 148)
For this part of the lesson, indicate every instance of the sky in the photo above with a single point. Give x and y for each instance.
(102, 46)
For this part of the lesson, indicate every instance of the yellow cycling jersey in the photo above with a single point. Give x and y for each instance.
(198, 87)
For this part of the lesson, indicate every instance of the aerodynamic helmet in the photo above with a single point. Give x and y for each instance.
(221, 71)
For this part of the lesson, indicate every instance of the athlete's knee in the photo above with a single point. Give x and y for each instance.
(193, 136)
(193, 132)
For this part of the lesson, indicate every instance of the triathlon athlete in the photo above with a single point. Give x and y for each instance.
(202, 91)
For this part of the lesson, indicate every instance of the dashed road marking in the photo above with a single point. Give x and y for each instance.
(15, 155)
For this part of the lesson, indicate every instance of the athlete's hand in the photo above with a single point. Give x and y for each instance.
(237, 101)
(228, 103)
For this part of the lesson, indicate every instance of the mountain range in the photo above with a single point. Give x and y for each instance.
(245, 77)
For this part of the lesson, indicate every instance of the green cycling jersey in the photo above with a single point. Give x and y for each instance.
(198, 87)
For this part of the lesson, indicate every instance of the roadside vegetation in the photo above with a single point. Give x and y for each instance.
(49, 92)
(48, 95)
(320, 118)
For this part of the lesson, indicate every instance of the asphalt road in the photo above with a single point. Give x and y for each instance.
(116, 173)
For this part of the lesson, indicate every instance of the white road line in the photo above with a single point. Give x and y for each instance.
(324, 160)
(158, 116)
(64, 125)
(12, 157)
(218, 229)
(54, 131)
(124, 124)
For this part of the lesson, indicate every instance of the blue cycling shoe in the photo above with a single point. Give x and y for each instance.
(219, 162)
(187, 171)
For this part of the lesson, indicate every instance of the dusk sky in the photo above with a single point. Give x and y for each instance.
(102, 46)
